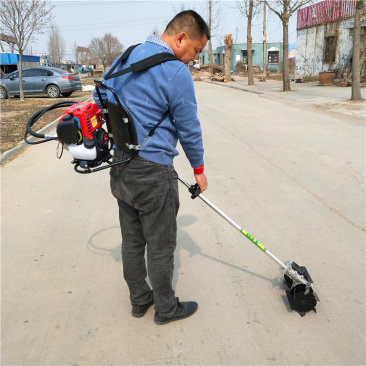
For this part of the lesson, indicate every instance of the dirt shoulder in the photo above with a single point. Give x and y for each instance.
(15, 114)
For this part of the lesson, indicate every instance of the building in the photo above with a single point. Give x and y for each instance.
(9, 62)
(324, 39)
(239, 53)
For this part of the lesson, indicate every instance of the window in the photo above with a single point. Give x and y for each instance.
(40, 72)
(25, 73)
(273, 57)
(245, 57)
(330, 48)
(35, 72)
(14, 75)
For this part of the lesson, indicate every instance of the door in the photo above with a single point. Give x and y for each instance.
(12, 83)
(245, 57)
(26, 81)
(37, 80)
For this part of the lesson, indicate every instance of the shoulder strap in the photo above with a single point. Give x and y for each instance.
(142, 65)
(122, 58)
(151, 61)
(139, 66)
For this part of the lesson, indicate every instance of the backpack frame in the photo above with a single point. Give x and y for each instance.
(118, 119)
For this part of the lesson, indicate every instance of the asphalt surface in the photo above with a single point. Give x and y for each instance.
(288, 167)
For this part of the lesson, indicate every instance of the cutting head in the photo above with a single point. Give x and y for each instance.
(300, 292)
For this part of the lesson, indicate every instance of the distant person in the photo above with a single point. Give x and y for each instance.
(147, 187)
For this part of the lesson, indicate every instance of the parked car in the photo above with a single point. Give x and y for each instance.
(39, 80)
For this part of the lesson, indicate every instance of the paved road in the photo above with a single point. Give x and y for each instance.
(292, 177)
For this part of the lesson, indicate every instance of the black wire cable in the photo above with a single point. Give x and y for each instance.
(37, 116)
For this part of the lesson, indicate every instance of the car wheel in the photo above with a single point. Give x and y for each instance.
(3, 94)
(66, 94)
(53, 91)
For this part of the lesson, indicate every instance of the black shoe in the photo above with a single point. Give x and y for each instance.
(184, 310)
(140, 310)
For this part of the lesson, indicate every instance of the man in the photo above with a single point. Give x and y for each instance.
(146, 188)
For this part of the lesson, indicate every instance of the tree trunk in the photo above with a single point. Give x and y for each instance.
(285, 63)
(264, 40)
(356, 84)
(211, 58)
(249, 45)
(210, 41)
(228, 44)
(20, 69)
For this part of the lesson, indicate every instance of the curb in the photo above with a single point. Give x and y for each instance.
(233, 87)
(10, 153)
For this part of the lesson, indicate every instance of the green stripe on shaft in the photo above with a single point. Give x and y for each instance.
(255, 241)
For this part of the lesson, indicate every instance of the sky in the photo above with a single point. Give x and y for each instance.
(132, 21)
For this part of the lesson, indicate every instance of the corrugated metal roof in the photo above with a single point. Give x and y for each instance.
(326, 12)
(8, 59)
(13, 58)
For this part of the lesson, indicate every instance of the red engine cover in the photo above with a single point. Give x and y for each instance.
(89, 117)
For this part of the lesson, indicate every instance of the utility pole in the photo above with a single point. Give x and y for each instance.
(264, 39)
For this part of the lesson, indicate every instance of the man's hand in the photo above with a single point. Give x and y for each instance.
(202, 181)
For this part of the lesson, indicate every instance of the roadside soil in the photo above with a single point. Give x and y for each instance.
(15, 114)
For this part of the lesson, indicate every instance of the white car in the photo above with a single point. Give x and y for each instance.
(195, 65)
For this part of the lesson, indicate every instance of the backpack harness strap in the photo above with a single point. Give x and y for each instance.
(139, 66)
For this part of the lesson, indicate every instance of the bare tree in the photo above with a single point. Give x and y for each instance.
(22, 20)
(105, 49)
(182, 7)
(74, 51)
(155, 32)
(284, 10)
(250, 9)
(83, 55)
(356, 82)
(113, 47)
(228, 44)
(213, 21)
(98, 51)
(56, 44)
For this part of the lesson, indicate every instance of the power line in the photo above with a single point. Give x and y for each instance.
(109, 23)
(107, 26)
(73, 3)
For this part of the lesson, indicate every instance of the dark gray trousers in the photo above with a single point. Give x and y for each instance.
(148, 200)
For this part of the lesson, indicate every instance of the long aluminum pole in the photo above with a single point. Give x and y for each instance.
(236, 226)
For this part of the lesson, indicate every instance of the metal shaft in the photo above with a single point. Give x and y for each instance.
(235, 225)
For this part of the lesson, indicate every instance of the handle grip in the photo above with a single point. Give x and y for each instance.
(195, 190)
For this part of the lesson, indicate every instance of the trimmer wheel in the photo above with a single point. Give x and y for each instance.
(302, 301)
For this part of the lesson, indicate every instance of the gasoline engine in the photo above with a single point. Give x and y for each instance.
(80, 128)
(80, 132)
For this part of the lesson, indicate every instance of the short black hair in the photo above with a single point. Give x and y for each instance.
(190, 22)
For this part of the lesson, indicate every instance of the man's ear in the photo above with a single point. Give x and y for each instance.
(180, 37)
